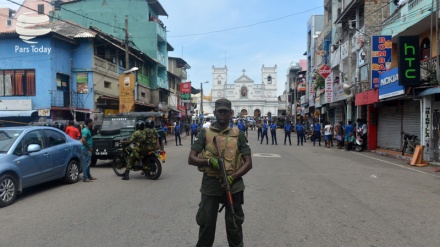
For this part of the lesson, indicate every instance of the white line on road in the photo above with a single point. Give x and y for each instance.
(266, 155)
(394, 164)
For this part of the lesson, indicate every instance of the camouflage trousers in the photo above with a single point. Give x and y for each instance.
(134, 158)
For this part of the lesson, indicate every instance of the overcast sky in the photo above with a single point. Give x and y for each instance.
(242, 34)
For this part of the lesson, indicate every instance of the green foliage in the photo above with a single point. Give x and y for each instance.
(319, 82)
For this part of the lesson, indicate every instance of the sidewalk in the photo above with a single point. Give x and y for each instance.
(398, 155)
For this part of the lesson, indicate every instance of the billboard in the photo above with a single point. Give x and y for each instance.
(381, 49)
(389, 84)
(409, 60)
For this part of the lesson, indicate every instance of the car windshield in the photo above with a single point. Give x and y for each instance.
(7, 138)
(119, 122)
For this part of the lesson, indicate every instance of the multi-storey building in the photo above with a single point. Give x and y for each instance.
(176, 75)
(67, 72)
(137, 24)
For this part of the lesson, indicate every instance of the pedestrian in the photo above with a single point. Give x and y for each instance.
(339, 134)
(177, 134)
(260, 128)
(317, 133)
(207, 124)
(299, 133)
(194, 127)
(264, 132)
(273, 132)
(348, 130)
(237, 160)
(287, 132)
(186, 128)
(72, 131)
(363, 130)
(165, 131)
(231, 124)
(328, 129)
(87, 149)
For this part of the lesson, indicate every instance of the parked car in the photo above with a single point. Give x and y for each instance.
(31, 155)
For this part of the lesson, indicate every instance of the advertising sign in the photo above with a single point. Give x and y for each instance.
(380, 57)
(126, 92)
(409, 60)
(328, 89)
(324, 71)
(82, 81)
(389, 84)
(185, 87)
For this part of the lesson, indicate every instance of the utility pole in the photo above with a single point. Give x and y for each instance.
(349, 98)
(127, 57)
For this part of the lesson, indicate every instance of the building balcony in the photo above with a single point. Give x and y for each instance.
(162, 83)
(161, 59)
(105, 67)
(59, 98)
(402, 22)
(143, 80)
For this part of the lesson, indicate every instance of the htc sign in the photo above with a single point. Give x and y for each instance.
(409, 60)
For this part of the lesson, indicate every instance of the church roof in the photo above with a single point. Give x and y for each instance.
(244, 78)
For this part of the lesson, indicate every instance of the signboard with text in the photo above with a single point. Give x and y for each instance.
(185, 87)
(329, 89)
(126, 92)
(389, 84)
(409, 60)
(381, 49)
(324, 71)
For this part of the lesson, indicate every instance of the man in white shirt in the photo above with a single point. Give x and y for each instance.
(328, 129)
(207, 124)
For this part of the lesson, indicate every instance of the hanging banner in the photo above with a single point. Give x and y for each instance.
(409, 60)
(381, 49)
(185, 87)
(329, 89)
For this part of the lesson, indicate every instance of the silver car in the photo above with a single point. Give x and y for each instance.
(31, 155)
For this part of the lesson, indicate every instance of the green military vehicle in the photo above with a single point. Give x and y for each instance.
(107, 143)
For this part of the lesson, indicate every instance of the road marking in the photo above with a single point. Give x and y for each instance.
(267, 155)
(394, 164)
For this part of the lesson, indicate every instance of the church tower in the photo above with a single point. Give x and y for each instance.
(269, 77)
(219, 81)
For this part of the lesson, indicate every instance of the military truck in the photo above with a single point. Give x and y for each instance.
(118, 127)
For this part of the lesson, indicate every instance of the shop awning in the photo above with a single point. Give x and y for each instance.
(430, 91)
(17, 113)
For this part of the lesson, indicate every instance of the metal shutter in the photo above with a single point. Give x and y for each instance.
(411, 117)
(388, 127)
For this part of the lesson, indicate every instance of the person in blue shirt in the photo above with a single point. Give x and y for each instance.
(273, 133)
(193, 131)
(317, 133)
(300, 133)
(165, 130)
(348, 129)
(231, 124)
(264, 134)
(287, 130)
(177, 130)
(241, 125)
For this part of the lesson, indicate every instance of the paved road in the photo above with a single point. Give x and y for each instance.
(295, 196)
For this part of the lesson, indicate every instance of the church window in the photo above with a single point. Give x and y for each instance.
(219, 82)
(269, 79)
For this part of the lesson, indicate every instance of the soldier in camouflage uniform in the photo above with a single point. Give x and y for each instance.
(237, 161)
(138, 139)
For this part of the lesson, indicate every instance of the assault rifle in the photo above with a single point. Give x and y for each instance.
(224, 180)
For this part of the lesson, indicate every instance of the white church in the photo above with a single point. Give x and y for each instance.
(247, 97)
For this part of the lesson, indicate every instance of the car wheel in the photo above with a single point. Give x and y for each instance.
(72, 172)
(8, 190)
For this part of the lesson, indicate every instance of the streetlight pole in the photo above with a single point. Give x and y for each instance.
(201, 98)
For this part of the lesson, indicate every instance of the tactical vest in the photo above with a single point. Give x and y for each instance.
(228, 143)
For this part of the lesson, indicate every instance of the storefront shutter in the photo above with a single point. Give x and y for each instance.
(388, 129)
(411, 117)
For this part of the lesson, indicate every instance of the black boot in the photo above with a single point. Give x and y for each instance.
(126, 173)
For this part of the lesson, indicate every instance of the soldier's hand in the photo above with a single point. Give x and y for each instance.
(213, 162)
(230, 180)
